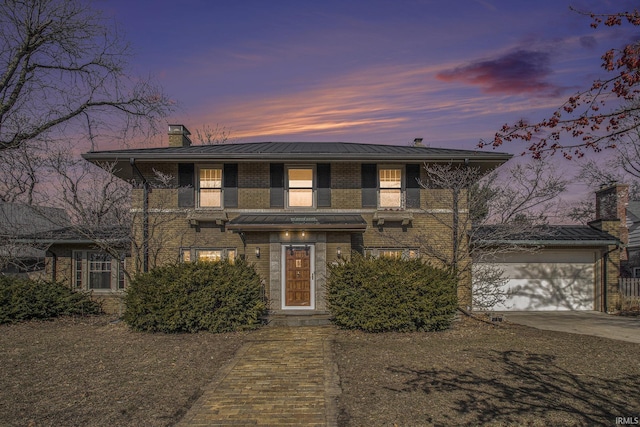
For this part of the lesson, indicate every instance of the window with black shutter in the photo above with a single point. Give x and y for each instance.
(230, 184)
(323, 171)
(369, 183)
(413, 186)
(276, 178)
(186, 187)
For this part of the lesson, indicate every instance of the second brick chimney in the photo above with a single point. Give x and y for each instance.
(611, 212)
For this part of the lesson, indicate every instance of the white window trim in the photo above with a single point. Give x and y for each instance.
(197, 176)
(117, 272)
(402, 189)
(314, 184)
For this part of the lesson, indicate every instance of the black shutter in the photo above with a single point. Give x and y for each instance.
(413, 186)
(276, 193)
(369, 183)
(323, 171)
(186, 185)
(230, 185)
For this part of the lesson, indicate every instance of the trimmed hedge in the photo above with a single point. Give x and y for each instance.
(383, 294)
(25, 299)
(191, 297)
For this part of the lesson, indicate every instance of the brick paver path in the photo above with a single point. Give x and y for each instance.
(281, 377)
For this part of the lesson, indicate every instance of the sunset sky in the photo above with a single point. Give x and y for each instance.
(378, 71)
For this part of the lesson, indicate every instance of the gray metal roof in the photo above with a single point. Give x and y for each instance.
(297, 221)
(312, 151)
(17, 219)
(73, 235)
(551, 235)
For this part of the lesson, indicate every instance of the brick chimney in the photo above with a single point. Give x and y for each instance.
(179, 136)
(611, 212)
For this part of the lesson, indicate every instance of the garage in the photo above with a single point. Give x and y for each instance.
(548, 280)
(559, 270)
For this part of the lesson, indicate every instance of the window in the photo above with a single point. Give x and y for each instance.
(97, 270)
(210, 187)
(390, 184)
(99, 265)
(393, 253)
(211, 255)
(300, 187)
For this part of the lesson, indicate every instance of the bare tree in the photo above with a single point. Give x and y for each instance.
(597, 117)
(483, 211)
(63, 72)
(21, 175)
(208, 135)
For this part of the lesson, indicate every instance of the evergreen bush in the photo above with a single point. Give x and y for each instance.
(384, 294)
(191, 297)
(24, 299)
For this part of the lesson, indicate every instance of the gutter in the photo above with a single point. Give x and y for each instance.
(332, 157)
(571, 243)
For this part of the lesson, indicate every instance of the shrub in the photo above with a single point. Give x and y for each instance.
(25, 299)
(382, 294)
(190, 297)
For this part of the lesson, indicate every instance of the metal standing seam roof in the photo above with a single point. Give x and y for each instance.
(302, 220)
(296, 151)
(556, 235)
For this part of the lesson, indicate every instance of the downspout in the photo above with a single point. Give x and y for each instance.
(54, 264)
(145, 216)
(605, 269)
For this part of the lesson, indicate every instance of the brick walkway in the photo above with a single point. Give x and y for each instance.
(280, 377)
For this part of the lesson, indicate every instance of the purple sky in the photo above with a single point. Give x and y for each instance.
(379, 71)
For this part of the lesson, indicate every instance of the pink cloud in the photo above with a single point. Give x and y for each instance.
(518, 72)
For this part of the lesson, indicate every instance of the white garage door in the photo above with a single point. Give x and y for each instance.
(548, 280)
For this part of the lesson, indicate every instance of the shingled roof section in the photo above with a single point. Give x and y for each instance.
(550, 235)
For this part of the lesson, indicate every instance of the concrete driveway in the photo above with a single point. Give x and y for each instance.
(579, 322)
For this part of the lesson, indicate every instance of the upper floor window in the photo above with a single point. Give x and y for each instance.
(97, 270)
(210, 187)
(390, 188)
(300, 187)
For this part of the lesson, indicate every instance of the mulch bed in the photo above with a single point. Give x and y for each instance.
(96, 372)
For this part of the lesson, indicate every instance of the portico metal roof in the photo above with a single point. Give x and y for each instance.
(297, 221)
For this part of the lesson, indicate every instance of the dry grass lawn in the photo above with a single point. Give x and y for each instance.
(93, 372)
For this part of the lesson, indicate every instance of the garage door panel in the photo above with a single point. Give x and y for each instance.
(551, 283)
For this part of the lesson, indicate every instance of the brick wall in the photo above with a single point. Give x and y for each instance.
(169, 227)
(610, 266)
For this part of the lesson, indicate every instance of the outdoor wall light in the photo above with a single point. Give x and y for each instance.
(303, 234)
(286, 233)
(257, 252)
(339, 252)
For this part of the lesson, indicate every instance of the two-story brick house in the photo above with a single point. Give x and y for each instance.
(287, 208)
